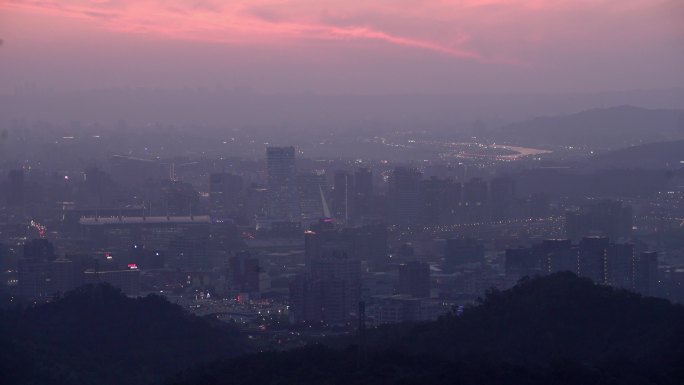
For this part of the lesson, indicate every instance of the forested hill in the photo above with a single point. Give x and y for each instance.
(558, 329)
(97, 335)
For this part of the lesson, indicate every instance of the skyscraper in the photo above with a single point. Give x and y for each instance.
(282, 183)
(414, 279)
(312, 188)
(363, 180)
(244, 272)
(605, 218)
(646, 272)
(344, 194)
(224, 195)
(404, 196)
(593, 258)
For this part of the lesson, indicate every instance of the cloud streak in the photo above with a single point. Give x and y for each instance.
(244, 22)
(484, 31)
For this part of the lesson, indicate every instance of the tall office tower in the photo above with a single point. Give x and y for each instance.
(557, 255)
(41, 275)
(329, 292)
(256, 202)
(502, 195)
(225, 195)
(188, 249)
(344, 193)
(35, 278)
(282, 183)
(474, 200)
(324, 241)
(459, 251)
(475, 192)
(593, 256)
(607, 218)
(454, 197)
(244, 272)
(620, 265)
(312, 196)
(370, 243)
(435, 201)
(180, 198)
(363, 180)
(414, 279)
(404, 196)
(15, 188)
(646, 273)
(39, 249)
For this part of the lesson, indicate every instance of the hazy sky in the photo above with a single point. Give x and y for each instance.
(368, 46)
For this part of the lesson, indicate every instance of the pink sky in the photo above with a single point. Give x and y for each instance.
(345, 46)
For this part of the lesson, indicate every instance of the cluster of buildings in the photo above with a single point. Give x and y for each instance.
(313, 241)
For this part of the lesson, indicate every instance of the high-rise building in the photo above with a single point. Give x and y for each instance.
(404, 195)
(363, 181)
(414, 279)
(620, 265)
(593, 258)
(35, 279)
(557, 255)
(344, 195)
(475, 192)
(225, 195)
(435, 202)
(502, 195)
(312, 196)
(474, 202)
(39, 249)
(330, 290)
(41, 274)
(549, 256)
(605, 218)
(614, 264)
(646, 273)
(244, 272)
(370, 243)
(282, 183)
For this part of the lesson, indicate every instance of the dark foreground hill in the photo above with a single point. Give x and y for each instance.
(96, 335)
(558, 329)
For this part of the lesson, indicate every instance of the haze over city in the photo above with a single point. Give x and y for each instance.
(329, 192)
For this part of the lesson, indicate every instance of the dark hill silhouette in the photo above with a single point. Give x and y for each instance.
(97, 335)
(660, 155)
(601, 129)
(552, 318)
(558, 329)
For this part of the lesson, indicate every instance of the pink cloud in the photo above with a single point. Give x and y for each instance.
(237, 22)
(490, 31)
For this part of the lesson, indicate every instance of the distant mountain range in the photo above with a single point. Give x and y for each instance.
(599, 129)
(660, 155)
(229, 109)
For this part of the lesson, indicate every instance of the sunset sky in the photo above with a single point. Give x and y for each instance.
(370, 46)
